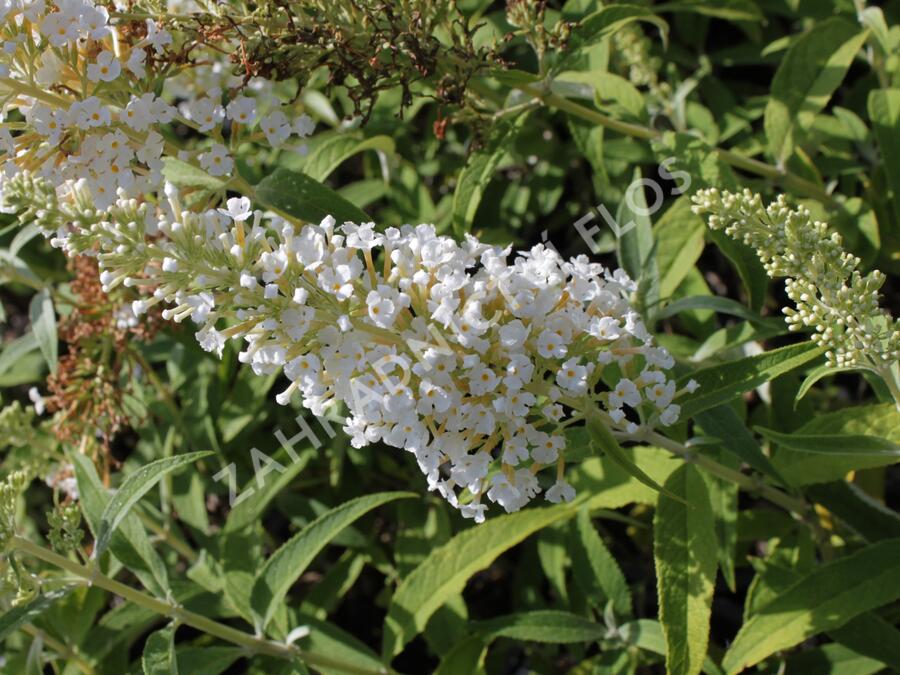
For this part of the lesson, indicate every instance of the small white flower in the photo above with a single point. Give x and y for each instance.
(237, 208)
(561, 491)
(37, 400)
(624, 392)
(572, 376)
(217, 161)
(241, 110)
(105, 69)
(304, 125)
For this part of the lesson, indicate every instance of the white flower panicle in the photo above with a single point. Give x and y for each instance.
(92, 112)
(830, 294)
(472, 362)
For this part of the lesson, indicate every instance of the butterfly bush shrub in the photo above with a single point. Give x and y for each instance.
(208, 244)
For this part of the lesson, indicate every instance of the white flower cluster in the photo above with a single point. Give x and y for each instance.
(92, 112)
(473, 363)
(823, 281)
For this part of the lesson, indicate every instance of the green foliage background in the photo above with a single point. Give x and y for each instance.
(571, 104)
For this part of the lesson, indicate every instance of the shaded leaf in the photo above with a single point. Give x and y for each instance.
(297, 195)
(827, 598)
(289, 562)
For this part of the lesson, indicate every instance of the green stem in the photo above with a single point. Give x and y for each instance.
(743, 481)
(891, 377)
(253, 644)
(789, 180)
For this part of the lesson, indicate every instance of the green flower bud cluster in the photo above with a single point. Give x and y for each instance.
(33, 199)
(10, 489)
(830, 294)
(65, 527)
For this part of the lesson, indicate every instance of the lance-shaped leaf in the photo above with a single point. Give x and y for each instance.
(684, 547)
(547, 625)
(296, 194)
(719, 384)
(827, 598)
(813, 68)
(445, 571)
(136, 486)
(43, 326)
(603, 440)
(290, 561)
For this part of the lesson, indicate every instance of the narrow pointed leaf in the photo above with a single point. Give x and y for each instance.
(290, 561)
(136, 486)
(297, 195)
(719, 384)
(549, 625)
(827, 598)
(445, 571)
(684, 547)
(848, 445)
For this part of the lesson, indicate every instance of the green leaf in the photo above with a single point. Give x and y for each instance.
(331, 153)
(712, 302)
(684, 547)
(648, 635)
(832, 658)
(606, 21)
(207, 660)
(550, 626)
(808, 75)
(289, 562)
(467, 656)
(16, 617)
(732, 10)
(595, 570)
(130, 492)
(817, 374)
(16, 349)
(884, 111)
(328, 640)
(827, 598)
(849, 445)
(805, 468)
(868, 516)
(159, 653)
(182, 174)
(249, 510)
(680, 236)
(723, 423)
(719, 384)
(445, 571)
(634, 240)
(43, 326)
(130, 543)
(478, 172)
(299, 196)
